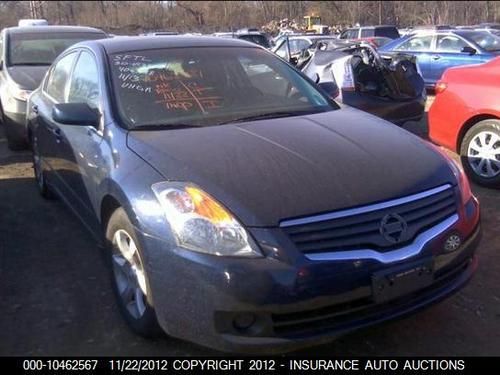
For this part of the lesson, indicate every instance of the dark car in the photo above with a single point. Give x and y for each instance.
(293, 45)
(358, 76)
(439, 50)
(489, 25)
(25, 55)
(432, 27)
(255, 37)
(364, 32)
(239, 206)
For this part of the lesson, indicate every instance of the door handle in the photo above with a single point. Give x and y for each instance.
(34, 108)
(436, 57)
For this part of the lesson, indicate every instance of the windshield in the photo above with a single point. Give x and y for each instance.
(209, 86)
(43, 48)
(485, 40)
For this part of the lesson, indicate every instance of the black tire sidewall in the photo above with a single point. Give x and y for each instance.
(43, 188)
(147, 325)
(485, 125)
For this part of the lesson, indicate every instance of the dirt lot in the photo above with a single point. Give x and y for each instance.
(57, 299)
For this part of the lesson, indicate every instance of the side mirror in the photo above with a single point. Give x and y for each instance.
(469, 50)
(330, 88)
(75, 114)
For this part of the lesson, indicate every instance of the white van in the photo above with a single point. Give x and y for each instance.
(32, 22)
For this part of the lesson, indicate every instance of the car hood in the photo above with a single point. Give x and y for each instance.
(269, 170)
(28, 77)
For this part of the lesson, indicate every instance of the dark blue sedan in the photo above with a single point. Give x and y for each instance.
(436, 51)
(239, 207)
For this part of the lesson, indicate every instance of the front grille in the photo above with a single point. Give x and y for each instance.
(360, 228)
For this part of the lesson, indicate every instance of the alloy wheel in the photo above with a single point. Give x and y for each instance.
(483, 154)
(129, 274)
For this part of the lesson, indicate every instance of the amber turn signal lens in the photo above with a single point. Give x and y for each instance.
(207, 207)
(440, 87)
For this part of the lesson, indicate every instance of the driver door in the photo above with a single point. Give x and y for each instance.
(48, 132)
(81, 151)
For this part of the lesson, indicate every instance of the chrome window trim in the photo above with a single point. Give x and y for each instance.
(391, 256)
(364, 209)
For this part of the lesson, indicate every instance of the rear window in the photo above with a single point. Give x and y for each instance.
(43, 48)
(389, 32)
(487, 41)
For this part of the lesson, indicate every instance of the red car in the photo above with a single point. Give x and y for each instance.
(465, 117)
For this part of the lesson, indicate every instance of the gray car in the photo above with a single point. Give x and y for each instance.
(25, 55)
(239, 207)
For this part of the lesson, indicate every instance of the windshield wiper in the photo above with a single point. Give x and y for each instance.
(30, 64)
(164, 126)
(269, 115)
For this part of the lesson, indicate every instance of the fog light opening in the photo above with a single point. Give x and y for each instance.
(243, 322)
(452, 243)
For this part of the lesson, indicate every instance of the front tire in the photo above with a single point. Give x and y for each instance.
(129, 276)
(480, 153)
(40, 179)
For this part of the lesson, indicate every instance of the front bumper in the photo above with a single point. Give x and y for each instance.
(284, 301)
(15, 121)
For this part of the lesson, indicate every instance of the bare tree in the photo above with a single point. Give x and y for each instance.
(207, 16)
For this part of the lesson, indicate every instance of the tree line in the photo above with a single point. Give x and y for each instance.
(131, 17)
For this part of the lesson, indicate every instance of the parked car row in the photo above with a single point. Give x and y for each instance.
(437, 50)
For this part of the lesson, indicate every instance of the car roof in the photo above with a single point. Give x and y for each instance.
(312, 37)
(141, 43)
(371, 27)
(52, 29)
(465, 32)
(461, 32)
(251, 33)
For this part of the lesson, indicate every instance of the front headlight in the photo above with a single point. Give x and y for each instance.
(202, 224)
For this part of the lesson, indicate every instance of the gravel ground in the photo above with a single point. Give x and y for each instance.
(57, 299)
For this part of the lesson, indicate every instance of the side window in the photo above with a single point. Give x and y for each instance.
(56, 83)
(345, 34)
(417, 43)
(294, 46)
(84, 84)
(303, 44)
(353, 34)
(297, 45)
(282, 51)
(365, 33)
(449, 43)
